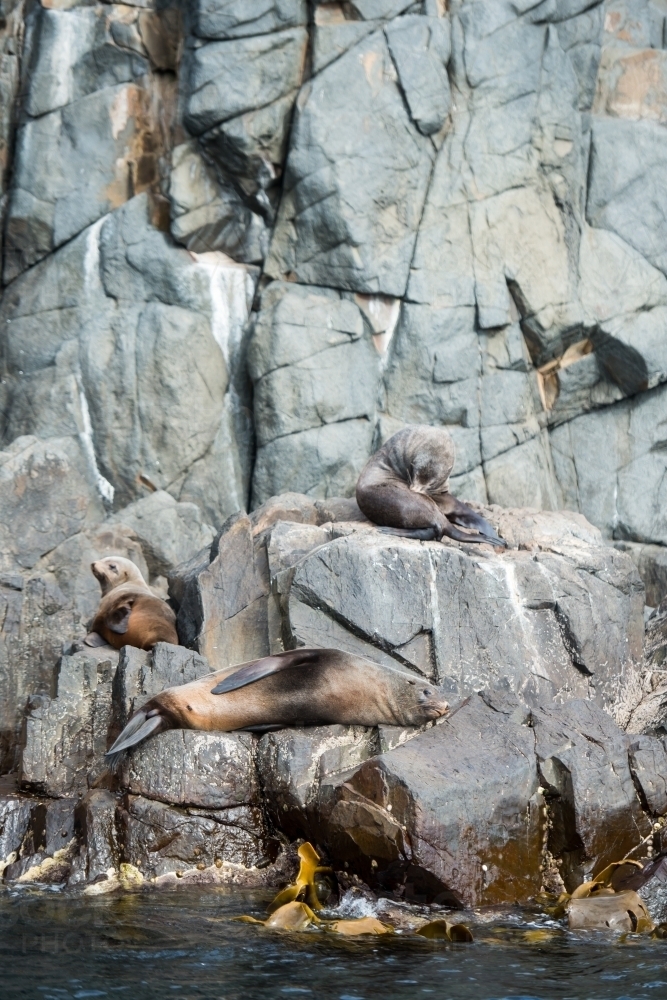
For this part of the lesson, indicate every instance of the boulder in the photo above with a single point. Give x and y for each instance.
(48, 492)
(67, 736)
(453, 816)
(304, 338)
(338, 225)
(626, 178)
(169, 532)
(238, 18)
(205, 770)
(563, 613)
(228, 78)
(94, 339)
(160, 838)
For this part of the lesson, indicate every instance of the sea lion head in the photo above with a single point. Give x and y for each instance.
(429, 703)
(112, 571)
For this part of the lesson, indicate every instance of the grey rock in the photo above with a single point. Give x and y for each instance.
(67, 736)
(100, 848)
(626, 178)
(207, 770)
(292, 764)
(432, 812)
(208, 215)
(229, 78)
(339, 225)
(651, 563)
(159, 838)
(324, 461)
(331, 40)
(236, 18)
(48, 207)
(648, 714)
(14, 820)
(420, 48)
(123, 291)
(48, 492)
(73, 53)
(648, 762)
(169, 532)
(581, 38)
(585, 769)
(315, 373)
(575, 603)
(230, 604)
(250, 149)
(606, 466)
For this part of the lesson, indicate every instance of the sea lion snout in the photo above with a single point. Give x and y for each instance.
(432, 703)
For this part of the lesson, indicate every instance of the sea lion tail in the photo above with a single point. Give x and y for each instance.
(140, 726)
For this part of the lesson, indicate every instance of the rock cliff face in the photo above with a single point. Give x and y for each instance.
(367, 213)
(243, 242)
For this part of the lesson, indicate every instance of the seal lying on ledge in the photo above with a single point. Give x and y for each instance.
(315, 687)
(129, 613)
(405, 486)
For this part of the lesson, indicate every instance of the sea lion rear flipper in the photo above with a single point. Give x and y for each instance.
(424, 534)
(461, 513)
(119, 619)
(137, 729)
(95, 639)
(256, 669)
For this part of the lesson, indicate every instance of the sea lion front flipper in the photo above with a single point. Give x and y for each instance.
(118, 620)
(256, 669)
(270, 728)
(95, 639)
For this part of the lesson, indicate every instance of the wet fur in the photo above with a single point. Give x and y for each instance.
(404, 487)
(302, 687)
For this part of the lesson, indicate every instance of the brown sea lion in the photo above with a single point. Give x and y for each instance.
(315, 687)
(129, 613)
(404, 486)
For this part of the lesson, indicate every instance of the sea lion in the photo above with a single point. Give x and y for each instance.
(315, 687)
(129, 613)
(404, 487)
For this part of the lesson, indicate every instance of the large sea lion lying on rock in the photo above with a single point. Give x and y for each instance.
(129, 613)
(300, 687)
(405, 486)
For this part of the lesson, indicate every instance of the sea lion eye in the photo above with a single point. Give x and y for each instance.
(426, 691)
(112, 566)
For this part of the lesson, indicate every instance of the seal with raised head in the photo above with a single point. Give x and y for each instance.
(404, 487)
(129, 613)
(301, 687)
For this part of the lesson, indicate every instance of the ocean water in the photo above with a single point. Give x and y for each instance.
(185, 944)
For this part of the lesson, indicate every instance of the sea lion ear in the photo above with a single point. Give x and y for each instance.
(118, 620)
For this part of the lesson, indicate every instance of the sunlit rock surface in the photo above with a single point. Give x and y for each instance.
(243, 243)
